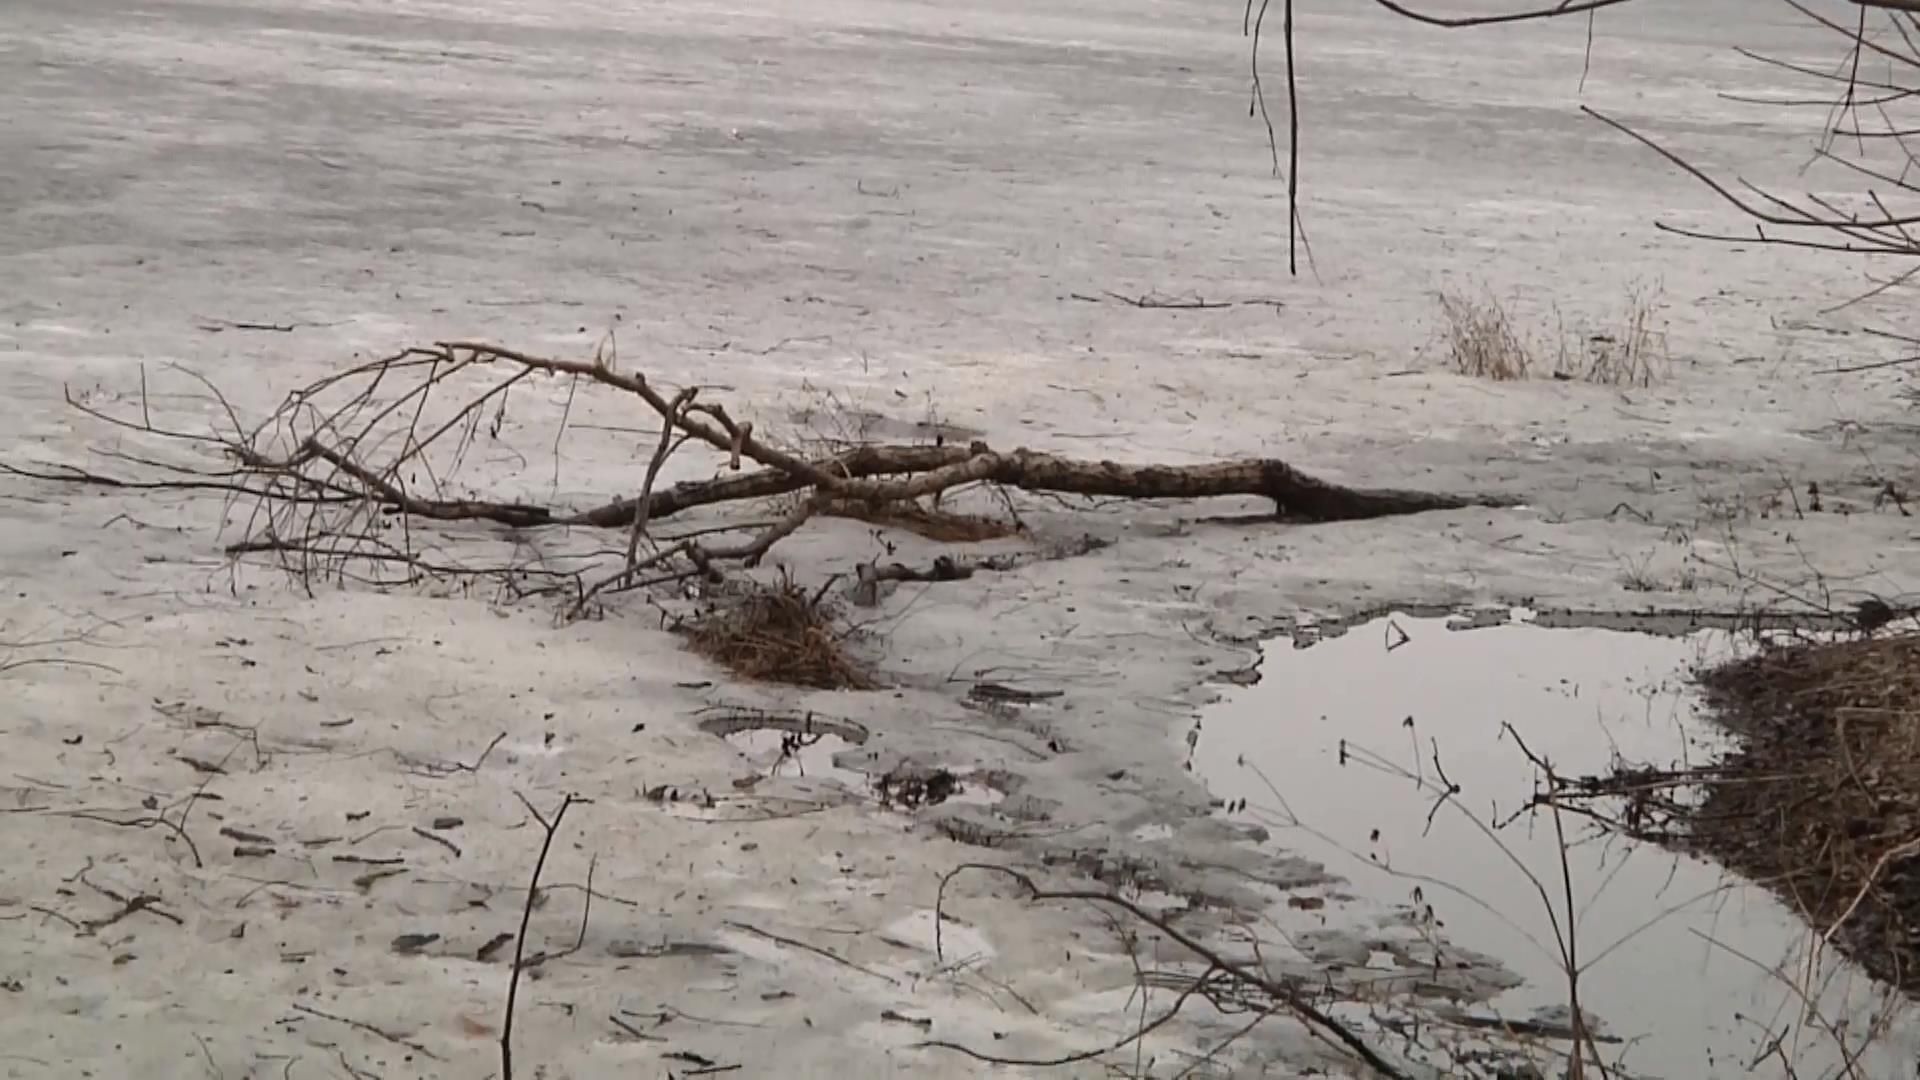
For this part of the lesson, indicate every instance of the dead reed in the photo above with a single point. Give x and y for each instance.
(1822, 797)
(779, 633)
(1484, 341)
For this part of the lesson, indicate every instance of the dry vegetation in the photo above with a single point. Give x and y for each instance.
(779, 633)
(1631, 352)
(1819, 800)
(1483, 341)
(1822, 800)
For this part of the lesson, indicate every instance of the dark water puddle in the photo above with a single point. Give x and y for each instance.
(1693, 973)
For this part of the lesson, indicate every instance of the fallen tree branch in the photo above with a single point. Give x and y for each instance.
(344, 460)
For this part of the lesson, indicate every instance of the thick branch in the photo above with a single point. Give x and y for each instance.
(863, 461)
(1295, 494)
(325, 498)
(899, 473)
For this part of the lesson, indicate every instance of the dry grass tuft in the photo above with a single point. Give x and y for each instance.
(933, 523)
(779, 633)
(1632, 353)
(1481, 339)
(1483, 342)
(1822, 799)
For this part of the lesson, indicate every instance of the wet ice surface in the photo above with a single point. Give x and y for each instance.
(1680, 955)
(816, 755)
(783, 753)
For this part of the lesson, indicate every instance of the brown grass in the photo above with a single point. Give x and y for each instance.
(1481, 340)
(1484, 342)
(779, 633)
(1630, 352)
(1822, 799)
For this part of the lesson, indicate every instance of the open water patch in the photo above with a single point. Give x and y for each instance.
(1399, 754)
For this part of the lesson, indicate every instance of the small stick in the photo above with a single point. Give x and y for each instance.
(633, 1031)
(438, 839)
(526, 916)
(368, 1028)
(814, 949)
(144, 902)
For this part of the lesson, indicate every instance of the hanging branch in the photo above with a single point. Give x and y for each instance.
(1254, 21)
(1462, 22)
(1888, 211)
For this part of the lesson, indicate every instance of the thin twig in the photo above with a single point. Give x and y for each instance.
(370, 1029)
(1279, 992)
(814, 949)
(526, 916)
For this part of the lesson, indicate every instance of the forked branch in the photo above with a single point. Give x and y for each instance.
(343, 471)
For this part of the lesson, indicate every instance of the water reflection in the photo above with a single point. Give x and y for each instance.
(1692, 972)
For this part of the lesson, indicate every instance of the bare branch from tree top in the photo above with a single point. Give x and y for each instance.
(1254, 21)
(1861, 40)
(1461, 22)
(1885, 234)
